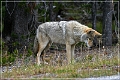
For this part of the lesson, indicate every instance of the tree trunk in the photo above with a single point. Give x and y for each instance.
(94, 15)
(107, 23)
(51, 16)
(8, 20)
(19, 25)
(94, 21)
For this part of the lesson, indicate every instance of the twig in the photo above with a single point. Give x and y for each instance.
(45, 10)
(10, 13)
(24, 55)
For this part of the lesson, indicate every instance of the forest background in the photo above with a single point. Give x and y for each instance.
(20, 19)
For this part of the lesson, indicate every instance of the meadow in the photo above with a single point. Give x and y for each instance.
(97, 62)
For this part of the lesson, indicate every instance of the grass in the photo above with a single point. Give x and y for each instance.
(93, 63)
(81, 69)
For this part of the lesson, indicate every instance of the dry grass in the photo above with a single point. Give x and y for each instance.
(89, 63)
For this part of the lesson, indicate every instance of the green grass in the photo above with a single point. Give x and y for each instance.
(81, 69)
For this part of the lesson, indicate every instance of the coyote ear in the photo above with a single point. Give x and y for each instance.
(89, 31)
(98, 35)
(93, 33)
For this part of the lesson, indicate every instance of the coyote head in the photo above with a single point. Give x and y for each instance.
(89, 36)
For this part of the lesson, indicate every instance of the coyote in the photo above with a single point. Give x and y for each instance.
(63, 32)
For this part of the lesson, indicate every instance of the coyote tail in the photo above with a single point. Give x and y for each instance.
(36, 46)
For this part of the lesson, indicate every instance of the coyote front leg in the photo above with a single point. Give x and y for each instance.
(72, 51)
(68, 53)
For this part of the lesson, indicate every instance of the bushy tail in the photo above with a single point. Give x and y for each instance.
(36, 46)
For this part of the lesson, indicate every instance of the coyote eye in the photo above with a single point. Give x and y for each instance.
(90, 38)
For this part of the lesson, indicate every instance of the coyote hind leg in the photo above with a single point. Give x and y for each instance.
(42, 56)
(43, 41)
